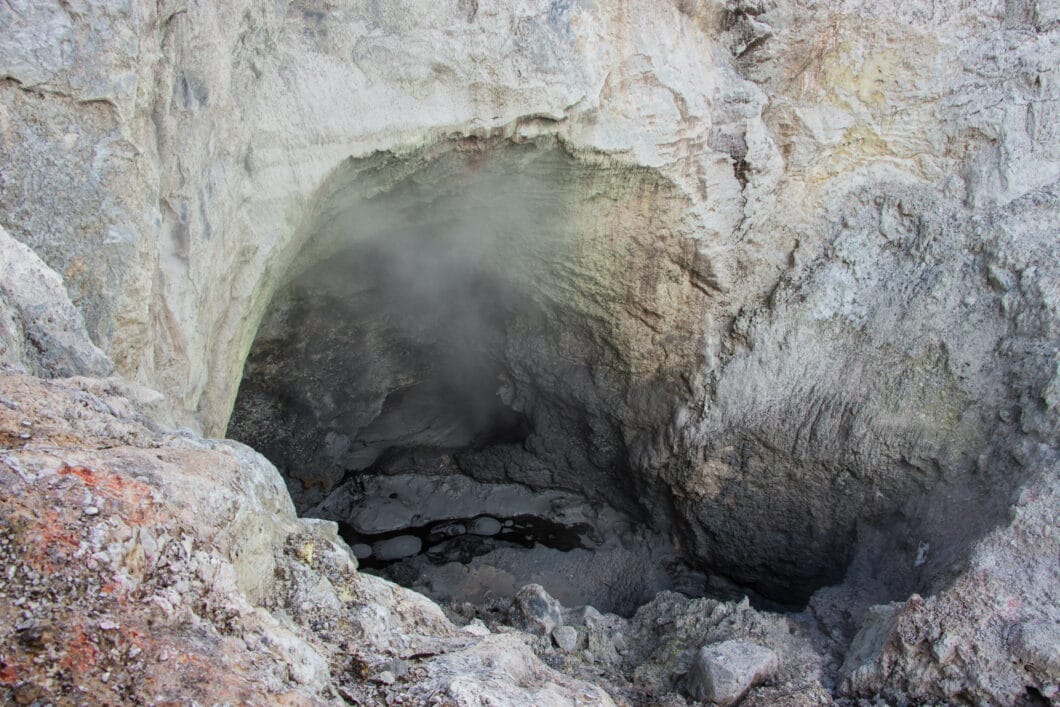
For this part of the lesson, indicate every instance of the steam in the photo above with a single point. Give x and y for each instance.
(423, 290)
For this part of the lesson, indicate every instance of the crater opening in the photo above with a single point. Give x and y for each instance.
(482, 361)
(472, 351)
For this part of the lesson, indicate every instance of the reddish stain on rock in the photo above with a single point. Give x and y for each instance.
(8, 674)
(135, 498)
(81, 655)
(53, 542)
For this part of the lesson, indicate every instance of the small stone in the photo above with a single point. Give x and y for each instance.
(566, 638)
(722, 673)
(386, 677)
(536, 611)
(105, 677)
(582, 616)
(485, 525)
(451, 529)
(108, 625)
(397, 548)
(91, 511)
(30, 634)
(24, 435)
(361, 551)
(25, 693)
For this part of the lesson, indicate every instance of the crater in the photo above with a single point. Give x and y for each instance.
(486, 329)
(480, 363)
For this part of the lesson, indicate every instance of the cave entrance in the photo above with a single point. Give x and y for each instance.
(471, 364)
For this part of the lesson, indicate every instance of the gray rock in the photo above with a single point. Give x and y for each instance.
(722, 673)
(860, 663)
(396, 548)
(485, 526)
(566, 638)
(1037, 645)
(536, 611)
(581, 616)
(41, 331)
(476, 628)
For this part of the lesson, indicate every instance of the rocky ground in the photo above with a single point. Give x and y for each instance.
(151, 566)
(142, 566)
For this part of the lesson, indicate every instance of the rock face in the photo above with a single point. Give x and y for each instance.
(41, 332)
(776, 280)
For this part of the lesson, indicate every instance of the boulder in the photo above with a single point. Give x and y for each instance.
(722, 673)
(535, 610)
(565, 638)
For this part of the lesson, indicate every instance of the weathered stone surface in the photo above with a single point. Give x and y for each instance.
(722, 674)
(809, 174)
(41, 332)
(1003, 604)
(536, 611)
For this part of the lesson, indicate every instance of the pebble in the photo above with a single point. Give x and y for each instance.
(534, 610)
(91, 511)
(452, 529)
(398, 667)
(477, 628)
(485, 526)
(396, 548)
